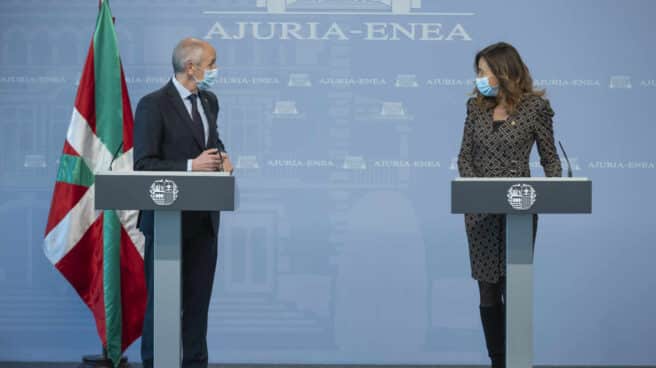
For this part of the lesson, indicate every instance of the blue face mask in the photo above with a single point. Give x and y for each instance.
(483, 85)
(209, 78)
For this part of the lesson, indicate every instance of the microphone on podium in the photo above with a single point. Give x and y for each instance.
(115, 156)
(569, 166)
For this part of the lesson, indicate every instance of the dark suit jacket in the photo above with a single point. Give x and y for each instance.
(164, 141)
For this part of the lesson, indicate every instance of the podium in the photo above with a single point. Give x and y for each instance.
(518, 199)
(167, 193)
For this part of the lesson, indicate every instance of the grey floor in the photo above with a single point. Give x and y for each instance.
(135, 365)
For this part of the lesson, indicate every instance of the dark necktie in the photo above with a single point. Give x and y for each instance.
(197, 127)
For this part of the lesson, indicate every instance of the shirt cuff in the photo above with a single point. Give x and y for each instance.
(189, 167)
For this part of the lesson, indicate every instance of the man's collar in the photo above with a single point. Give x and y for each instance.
(182, 90)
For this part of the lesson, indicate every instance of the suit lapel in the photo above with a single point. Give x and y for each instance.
(181, 110)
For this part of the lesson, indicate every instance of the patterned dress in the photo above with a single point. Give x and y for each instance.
(502, 149)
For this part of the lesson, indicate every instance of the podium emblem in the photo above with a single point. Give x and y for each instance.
(164, 192)
(521, 196)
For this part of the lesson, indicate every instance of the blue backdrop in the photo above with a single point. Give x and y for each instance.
(344, 119)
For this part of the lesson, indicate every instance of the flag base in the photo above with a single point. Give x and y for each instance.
(99, 361)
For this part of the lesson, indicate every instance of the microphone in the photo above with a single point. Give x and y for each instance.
(569, 166)
(115, 156)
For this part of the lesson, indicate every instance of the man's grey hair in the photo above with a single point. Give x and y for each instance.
(187, 50)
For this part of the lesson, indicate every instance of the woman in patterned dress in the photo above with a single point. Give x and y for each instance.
(505, 117)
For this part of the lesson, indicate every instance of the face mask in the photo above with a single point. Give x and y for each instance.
(209, 78)
(483, 85)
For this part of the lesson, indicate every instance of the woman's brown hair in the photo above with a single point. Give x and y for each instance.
(513, 75)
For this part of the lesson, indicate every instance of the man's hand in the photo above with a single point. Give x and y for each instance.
(227, 164)
(209, 160)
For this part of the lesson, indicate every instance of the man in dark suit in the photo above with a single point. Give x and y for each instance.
(175, 130)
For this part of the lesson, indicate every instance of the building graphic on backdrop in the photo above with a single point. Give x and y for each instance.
(621, 82)
(298, 261)
(391, 6)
